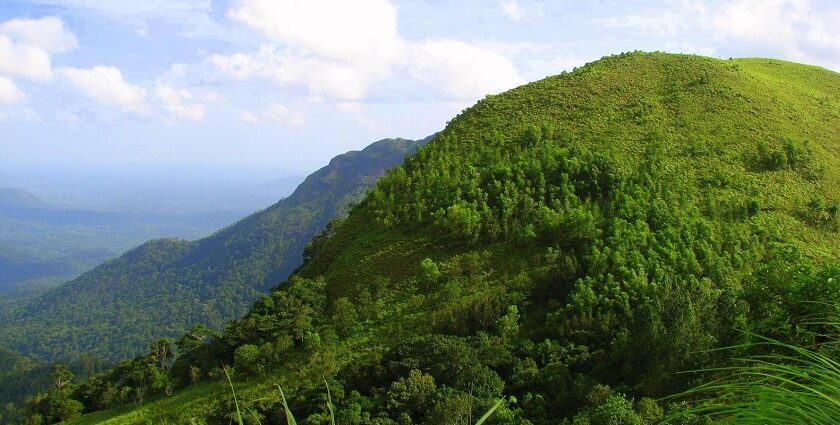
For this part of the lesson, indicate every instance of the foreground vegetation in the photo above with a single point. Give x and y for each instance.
(573, 244)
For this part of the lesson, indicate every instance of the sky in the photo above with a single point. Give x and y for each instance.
(279, 87)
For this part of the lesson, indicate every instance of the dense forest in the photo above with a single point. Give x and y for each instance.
(572, 247)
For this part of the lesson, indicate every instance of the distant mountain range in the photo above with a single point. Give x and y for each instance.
(19, 198)
(165, 286)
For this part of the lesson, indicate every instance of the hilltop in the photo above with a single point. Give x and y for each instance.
(163, 287)
(571, 244)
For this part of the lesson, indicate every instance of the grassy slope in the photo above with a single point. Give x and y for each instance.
(712, 111)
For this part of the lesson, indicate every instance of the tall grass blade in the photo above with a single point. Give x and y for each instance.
(330, 403)
(490, 412)
(255, 415)
(783, 384)
(290, 418)
(235, 401)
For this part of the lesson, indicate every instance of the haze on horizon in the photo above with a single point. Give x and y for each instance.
(258, 89)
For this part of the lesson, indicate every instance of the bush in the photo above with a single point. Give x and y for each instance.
(247, 359)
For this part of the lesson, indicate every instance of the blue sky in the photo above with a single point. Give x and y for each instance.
(282, 86)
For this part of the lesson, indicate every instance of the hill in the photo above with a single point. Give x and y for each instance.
(571, 244)
(43, 245)
(162, 287)
(19, 198)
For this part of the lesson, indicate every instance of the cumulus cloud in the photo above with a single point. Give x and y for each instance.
(106, 85)
(362, 32)
(795, 29)
(337, 54)
(26, 46)
(48, 34)
(20, 60)
(178, 102)
(9, 93)
(342, 54)
(284, 67)
(462, 70)
(799, 30)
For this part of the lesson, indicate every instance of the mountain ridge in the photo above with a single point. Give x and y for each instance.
(218, 276)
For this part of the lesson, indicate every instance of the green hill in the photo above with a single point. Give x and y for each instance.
(571, 244)
(164, 286)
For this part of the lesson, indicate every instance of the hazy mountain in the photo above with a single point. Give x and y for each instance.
(165, 286)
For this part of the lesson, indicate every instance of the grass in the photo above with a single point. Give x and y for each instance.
(290, 417)
(785, 384)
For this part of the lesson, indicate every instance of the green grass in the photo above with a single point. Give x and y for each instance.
(290, 417)
(787, 384)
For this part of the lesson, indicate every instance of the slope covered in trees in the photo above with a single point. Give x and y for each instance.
(571, 244)
(164, 286)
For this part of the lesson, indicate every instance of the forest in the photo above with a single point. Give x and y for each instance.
(583, 248)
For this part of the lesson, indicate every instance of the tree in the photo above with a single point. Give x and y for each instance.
(344, 316)
(247, 359)
(193, 339)
(61, 376)
(463, 221)
(411, 394)
(508, 325)
(160, 352)
(55, 406)
(429, 273)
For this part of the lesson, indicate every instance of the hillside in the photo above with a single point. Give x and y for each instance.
(43, 245)
(19, 198)
(571, 244)
(164, 286)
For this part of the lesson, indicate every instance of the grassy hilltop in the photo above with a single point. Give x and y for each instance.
(570, 244)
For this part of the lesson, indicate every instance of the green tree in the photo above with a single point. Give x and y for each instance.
(247, 359)
(428, 273)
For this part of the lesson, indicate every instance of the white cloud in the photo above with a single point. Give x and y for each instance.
(283, 67)
(794, 29)
(178, 102)
(48, 34)
(24, 61)
(106, 85)
(512, 10)
(248, 117)
(26, 46)
(342, 54)
(337, 54)
(462, 70)
(362, 32)
(279, 113)
(9, 93)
